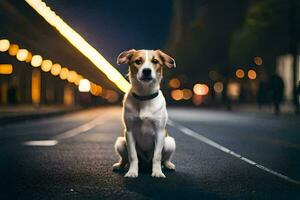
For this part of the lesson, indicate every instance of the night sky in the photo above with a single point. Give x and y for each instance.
(113, 26)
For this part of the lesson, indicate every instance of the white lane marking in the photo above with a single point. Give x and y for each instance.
(80, 129)
(68, 134)
(41, 143)
(204, 139)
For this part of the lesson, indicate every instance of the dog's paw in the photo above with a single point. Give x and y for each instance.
(158, 174)
(169, 165)
(131, 174)
(118, 167)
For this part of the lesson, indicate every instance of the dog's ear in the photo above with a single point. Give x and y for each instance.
(167, 60)
(125, 56)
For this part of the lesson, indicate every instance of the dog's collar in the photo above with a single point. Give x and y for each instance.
(145, 98)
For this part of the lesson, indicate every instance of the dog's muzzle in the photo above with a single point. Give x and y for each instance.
(146, 74)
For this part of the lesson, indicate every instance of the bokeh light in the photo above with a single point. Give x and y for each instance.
(200, 89)
(63, 73)
(4, 45)
(13, 49)
(96, 90)
(84, 85)
(187, 94)
(29, 57)
(46, 65)
(22, 54)
(36, 60)
(177, 95)
(251, 74)
(240, 73)
(6, 69)
(78, 79)
(258, 60)
(233, 90)
(55, 69)
(174, 83)
(72, 75)
(218, 87)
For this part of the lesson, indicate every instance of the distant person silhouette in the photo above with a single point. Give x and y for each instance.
(296, 98)
(276, 89)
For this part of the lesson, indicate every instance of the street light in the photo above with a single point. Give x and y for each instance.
(4, 45)
(46, 65)
(84, 85)
(200, 89)
(55, 69)
(22, 54)
(36, 60)
(81, 44)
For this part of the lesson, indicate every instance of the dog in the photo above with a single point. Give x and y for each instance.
(145, 115)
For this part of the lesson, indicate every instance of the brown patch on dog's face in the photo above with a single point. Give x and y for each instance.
(146, 65)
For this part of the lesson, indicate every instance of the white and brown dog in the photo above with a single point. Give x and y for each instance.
(145, 114)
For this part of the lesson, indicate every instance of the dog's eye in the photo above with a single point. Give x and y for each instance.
(138, 62)
(154, 61)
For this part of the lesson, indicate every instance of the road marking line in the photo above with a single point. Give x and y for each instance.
(78, 130)
(204, 139)
(41, 143)
(68, 134)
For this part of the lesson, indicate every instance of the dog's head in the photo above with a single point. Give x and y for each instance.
(145, 66)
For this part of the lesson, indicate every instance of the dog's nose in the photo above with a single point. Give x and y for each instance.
(146, 72)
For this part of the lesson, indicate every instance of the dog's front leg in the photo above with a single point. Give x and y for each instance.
(132, 156)
(156, 162)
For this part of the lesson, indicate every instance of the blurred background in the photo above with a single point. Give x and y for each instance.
(228, 53)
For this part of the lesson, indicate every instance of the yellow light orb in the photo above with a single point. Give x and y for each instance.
(64, 73)
(4, 45)
(200, 89)
(240, 73)
(72, 76)
(177, 95)
(46, 65)
(55, 69)
(13, 49)
(78, 79)
(251, 74)
(22, 54)
(218, 87)
(36, 60)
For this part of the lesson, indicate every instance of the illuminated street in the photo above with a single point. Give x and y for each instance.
(79, 165)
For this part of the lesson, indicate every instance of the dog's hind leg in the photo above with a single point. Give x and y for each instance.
(121, 150)
(167, 152)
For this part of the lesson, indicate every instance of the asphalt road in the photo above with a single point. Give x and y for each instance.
(219, 155)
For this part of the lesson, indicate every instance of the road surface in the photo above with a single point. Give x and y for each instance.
(219, 155)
